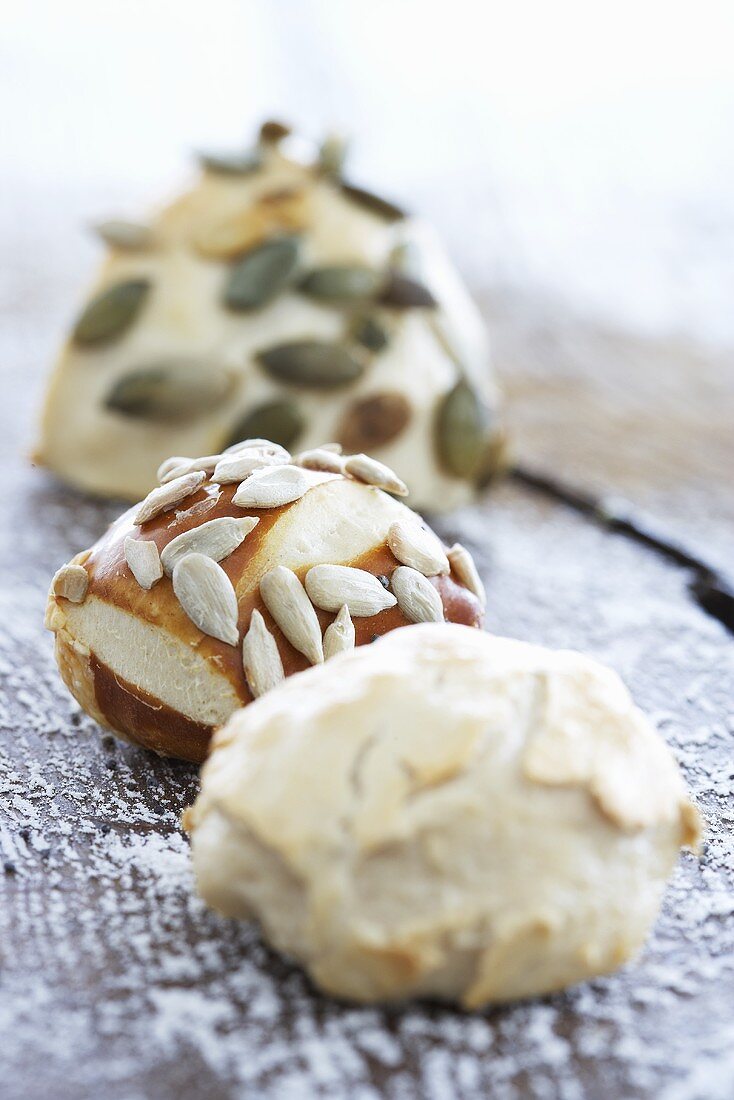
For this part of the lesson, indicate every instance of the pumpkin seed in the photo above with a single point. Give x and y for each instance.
(374, 203)
(402, 292)
(311, 363)
(341, 283)
(261, 273)
(169, 392)
(111, 312)
(272, 131)
(466, 434)
(367, 331)
(230, 164)
(332, 154)
(374, 421)
(128, 236)
(279, 421)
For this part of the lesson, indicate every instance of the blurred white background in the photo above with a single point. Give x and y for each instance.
(579, 153)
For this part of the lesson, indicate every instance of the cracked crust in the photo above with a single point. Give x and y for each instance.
(448, 814)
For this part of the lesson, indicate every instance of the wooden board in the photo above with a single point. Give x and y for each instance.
(116, 982)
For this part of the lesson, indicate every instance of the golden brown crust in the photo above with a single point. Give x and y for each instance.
(139, 715)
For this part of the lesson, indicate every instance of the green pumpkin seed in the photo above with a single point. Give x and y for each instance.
(111, 312)
(128, 236)
(401, 292)
(279, 421)
(271, 132)
(230, 164)
(261, 273)
(311, 363)
(332, 155)
(342, 283)
(169, 392)
(374, 203)
(370, 333)
(466, 433)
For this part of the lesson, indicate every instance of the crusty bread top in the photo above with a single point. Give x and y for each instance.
(340, 522)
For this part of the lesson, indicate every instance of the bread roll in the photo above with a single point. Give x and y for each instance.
(197, 599)
(274, 299)
(443, 814)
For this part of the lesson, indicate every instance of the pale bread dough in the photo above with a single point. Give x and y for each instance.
(446, 814)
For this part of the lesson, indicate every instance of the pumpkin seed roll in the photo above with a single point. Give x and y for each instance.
(275, 299)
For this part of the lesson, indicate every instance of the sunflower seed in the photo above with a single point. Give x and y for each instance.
(266, 445)
(236, 467)
(466, 435)
(462, 563)
(272, 131)
(286, 600)
(261, 273)
(144, 561)
(216, 539)
(111, 312)
(71, 582)
(371, 472)
(275, 486)
(260, 657)
(319, 458)
(311, 363)
(206, 594)
(280, 421)
(169, 464)
(128, 236)
(341, 283)
(187, 466)
(331, 586)
(332, 155)
(230, 164)
(418, 600)
(166, 496)
(374, 421)
(374, 203)
(417, 547)
(368, 332)
(170, 393)
(402, 292)
(340, 636)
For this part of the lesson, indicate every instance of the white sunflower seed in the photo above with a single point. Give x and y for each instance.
(331, 586)
(274, 486)
(463, 566)
(166, 496)
(238, 466)
(206, 594)
(260, 657)
(71, 582)
(417, 547)
(319, 458)
(339, 637)
(286, 600)
(418, 600)
(169, 464)
(144, 561)
(258, 445)
(217, 539)
(189, 466)
(371, 472)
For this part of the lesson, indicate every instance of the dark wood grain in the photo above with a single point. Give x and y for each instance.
(114, 979)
